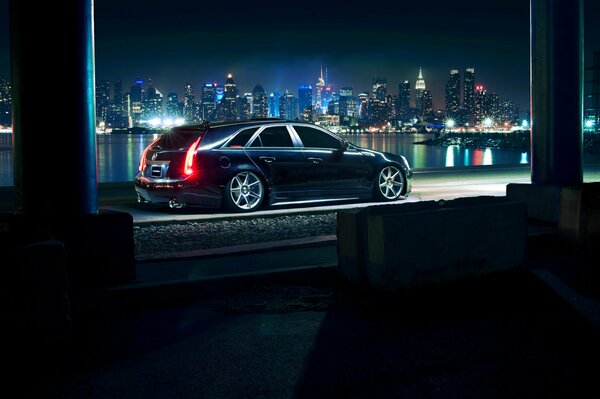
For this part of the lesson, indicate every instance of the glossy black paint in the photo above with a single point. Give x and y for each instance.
(289, 174)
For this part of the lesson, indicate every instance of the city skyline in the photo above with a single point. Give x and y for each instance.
(191, 42)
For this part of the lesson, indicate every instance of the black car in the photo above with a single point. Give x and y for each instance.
(243, 165)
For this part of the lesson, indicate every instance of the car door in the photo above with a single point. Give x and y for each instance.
(336, 171)
(274, 151)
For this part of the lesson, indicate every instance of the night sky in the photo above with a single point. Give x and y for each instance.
(282, 44)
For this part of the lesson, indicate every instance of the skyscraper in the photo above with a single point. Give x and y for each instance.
(135, 98)
(453, 94)
(420, 87)
(260, 108)
(172, 106)
(319, 87)
(426, 105)
(189, 103)
(5, 103)
(404, 113)
(273, 102)
(305, 102)
(379, 89)
(208, 98)
(288, 106)
(228, 102)
(103, 100)
(469, 93)
(348, 111)
(152, 103)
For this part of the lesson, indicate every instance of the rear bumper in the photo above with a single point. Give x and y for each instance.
(185, 192)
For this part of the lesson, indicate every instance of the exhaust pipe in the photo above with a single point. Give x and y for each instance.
(173, 204)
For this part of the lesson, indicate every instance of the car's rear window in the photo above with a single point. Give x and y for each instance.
(177, 139)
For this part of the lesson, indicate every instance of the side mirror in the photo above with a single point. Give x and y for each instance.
(345, 145)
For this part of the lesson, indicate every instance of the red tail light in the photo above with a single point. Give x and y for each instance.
(143, 158)
(190, 156)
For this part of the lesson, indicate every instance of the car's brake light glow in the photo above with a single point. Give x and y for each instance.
(190, 156)
(143, 158)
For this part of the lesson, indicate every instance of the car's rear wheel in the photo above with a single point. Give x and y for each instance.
(245, 192)
(389, 184)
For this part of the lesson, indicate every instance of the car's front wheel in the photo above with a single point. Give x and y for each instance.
(244, 192)
(389, 184)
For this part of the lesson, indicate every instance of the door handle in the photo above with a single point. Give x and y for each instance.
(267, 159)
(316, 160)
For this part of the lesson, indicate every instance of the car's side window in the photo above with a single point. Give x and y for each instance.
(276, 136)
(314, 138)
(241, 138)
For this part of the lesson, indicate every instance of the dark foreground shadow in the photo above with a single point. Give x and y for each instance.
(506, 336)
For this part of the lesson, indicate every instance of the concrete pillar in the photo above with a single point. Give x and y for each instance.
(53, 107)
(556, 92)
(52, 70)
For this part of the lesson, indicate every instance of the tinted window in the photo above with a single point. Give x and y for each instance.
(316, 139)
(242, 138)
(276, 136)
(176, 139)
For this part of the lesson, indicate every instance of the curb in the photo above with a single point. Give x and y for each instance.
(241, 249)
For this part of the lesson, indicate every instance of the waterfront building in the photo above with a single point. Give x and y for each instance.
(173, 106)
(242, 106)
(274, 105)
(207, 101)
(347, 107)
(152, 104)
(592, 95)
(319, 87)
(453, 94)
(469, 94)
(506, 112)
(103, 100)
(5, 102)
(189, 103)
(485, 105)
(363, 106)
(288, 106)
(426, 105)
(305, 102)
(379, 90)
(135, 97)
(228, 107)
(404, 110)
(420, 87)
(260, 107)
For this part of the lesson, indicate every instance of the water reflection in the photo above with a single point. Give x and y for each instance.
(450, 156)
(524, 158)
(487, 157)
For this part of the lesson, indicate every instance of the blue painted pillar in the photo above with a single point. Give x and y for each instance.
(557, 92)
(53, 107)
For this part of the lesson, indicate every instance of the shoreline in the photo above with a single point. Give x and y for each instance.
(519, 140)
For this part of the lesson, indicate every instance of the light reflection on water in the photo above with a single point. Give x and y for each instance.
(118, 155)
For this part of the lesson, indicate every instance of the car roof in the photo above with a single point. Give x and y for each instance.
(249, 122)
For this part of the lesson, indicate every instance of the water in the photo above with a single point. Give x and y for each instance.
(118, 155)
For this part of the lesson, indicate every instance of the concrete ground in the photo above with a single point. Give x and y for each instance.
(531, 332)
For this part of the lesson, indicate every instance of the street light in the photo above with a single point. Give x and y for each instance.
(450, 123)
(488, 122)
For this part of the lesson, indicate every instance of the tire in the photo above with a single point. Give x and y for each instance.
(244, 192)
(389, 183)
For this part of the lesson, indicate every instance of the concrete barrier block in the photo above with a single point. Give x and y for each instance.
(543, 201)
(579, 222)
(426, 243)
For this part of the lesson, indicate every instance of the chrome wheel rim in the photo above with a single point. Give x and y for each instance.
(246, 190)
(391, 182)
